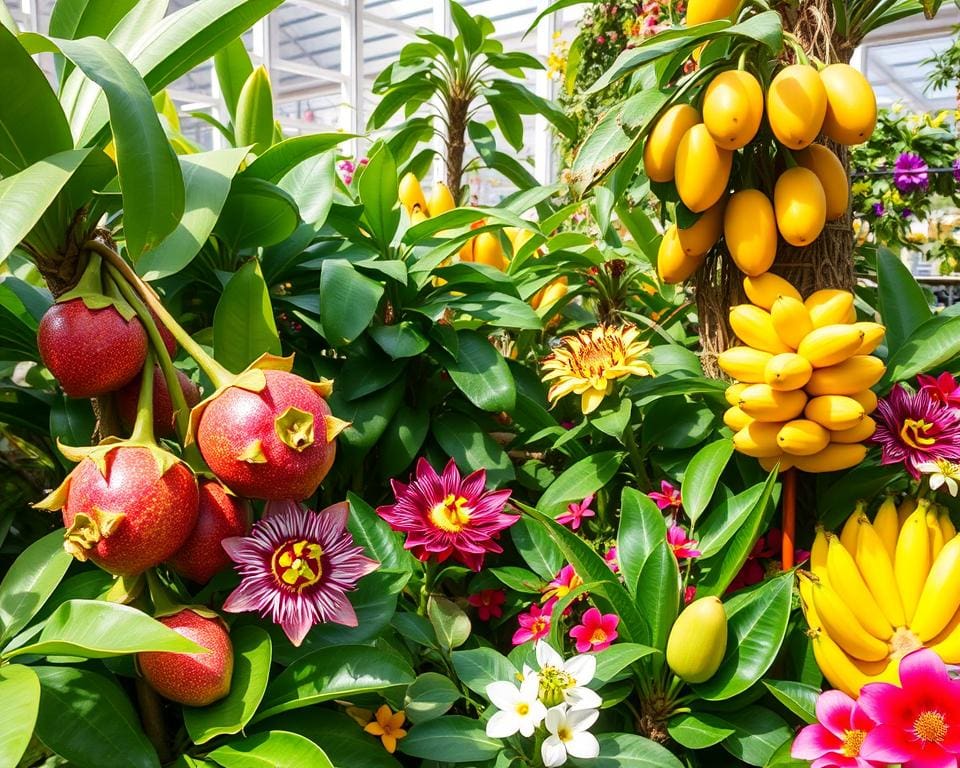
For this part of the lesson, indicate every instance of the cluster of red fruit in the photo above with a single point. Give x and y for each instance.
(130, 505)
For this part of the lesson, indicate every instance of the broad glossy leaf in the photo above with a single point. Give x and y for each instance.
(472, 448)
(468, 28)
(400, 340)
(253, 126)
(929, 347)
(322, 676)
(701, 476)
(243, 323)
(799, 698)
(233, 67)
(371, 532)
(626, 750)
(207, 177)
(613, 660)
(698, 730)
(642, 530)
(757, 624)
(903, 304)
(658, 593)
(580, 480)
(429, 696)
(537, 548)
(286, 155)
(454, 739)
(757, 736)
(377, 188)
(20, 693)
(311, 184)
(725, 519)
(104, 727)
(273, 749)
(252, 654)
(450, 623)
(256, 213)
(93, 629)
(481, 373)
(368, 416)
(402, 440)
(31, 579)
(479, 667)
(348, 301)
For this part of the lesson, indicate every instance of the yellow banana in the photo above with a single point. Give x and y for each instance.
(818, 556)
(744, 364)
(764, 289)
(442, 201)
(782, 461)
(858, 434)
(842, 626)
(876, 567)
(736, 419)
(853, 375)
(787, 371)
(940, 598)
(802, 437)
(885, 671)
(758, 439)
(763, 403)
(754, 327)
(830, 344)
(411, 193)
(946, 525)
(833, 458)
(905, 509)
(867, 399)
(733, 392)
(835, 412)
(887, 525)
(911, 563)
(947, 643)
(418, 214)
(790, 320)
(829, 306)
(934, 534)
(837, 667)
(852, 589)
(851, 528)
(873, 334)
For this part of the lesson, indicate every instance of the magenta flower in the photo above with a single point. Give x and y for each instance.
(596, 631)
(534, 625)
(910, 172)
(837, 740)
(610, 558)
(444, 515)
(576, 512)
(296, 567)
(878, 209)
(918, 723)
(563, 583)
(668, 497)
(682, 546)
(943, 388)
(488, 603)
(913, 429)
(688, 594)
(956, 170)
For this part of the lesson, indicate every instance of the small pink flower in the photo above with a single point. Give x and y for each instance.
(576, 512)
(488, 602)
(596, 631)
(837, 740)
(668, 497)
(688, 594)
(364, 160)
(613, 36)
(564, 582)
(348, 179)
(943, 388)
(601, 40)
(683, 547)
(610, 558)
(534, 625)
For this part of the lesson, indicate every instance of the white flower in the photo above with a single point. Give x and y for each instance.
(942, 472)
(565, 681)
(520, 709)
(569, 735)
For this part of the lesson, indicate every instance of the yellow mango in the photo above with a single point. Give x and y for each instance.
(702, 170)
(801, 206)
(851, 112)
(750, 231)
(733, 108)
(796, 105)
(660, 151)
(832, 175)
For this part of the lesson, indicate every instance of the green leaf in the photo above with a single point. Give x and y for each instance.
(253, 126)
(757, 736)
(243, 324)
(929, 347)
(20, 693)
(613, 660)
(472, 448)
(402, 440)
(311, 184)
(371, 532)
(256, 213)
(252, 654)
(368, 416)
(377, 188)
(725, 520)
(32, 123)
(73, 19)
(92, 629)
(449, 622)
(625, 750)
(104, 728)
(481, 373)
(903, 304)
(642, 530)
(233, 68)
(658, 593)
(207, 177)
(324, 675)
(479, 667)
(537, 548)
(799, 698)
(452, 739)
(273, 749)
(580, 480)
(698, 730)
(429, 696)
(702, 475)
(468, 28)
(757, 624)
(31, 579)
(284, 156)
(400, 340)
(348, 301)
(25, 196)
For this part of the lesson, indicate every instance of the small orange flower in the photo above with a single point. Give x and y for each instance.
(388, 726)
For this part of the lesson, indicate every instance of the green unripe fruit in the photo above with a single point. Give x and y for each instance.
(698, 640)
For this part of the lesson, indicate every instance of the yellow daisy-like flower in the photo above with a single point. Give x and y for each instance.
(588, 363)
(388, 726)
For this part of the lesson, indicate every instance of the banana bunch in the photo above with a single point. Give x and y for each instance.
(881, 590)
(804, 372)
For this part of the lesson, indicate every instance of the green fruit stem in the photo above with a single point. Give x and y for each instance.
(164, 603)
(143, 426)
(219, 375)
(90, 280)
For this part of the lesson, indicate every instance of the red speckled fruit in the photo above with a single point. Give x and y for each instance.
(163, 424)
(194, 679)
(90, 351)
(133, 518)
(240, 438)
(221, 515)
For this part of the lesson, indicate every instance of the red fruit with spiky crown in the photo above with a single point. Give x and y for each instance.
(126, 507)
(163, 419)
(90, 351)
(221, 515)
(194, 679)
(276, 443)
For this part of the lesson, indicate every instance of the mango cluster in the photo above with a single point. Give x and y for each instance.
(804, 371)
(694, 149)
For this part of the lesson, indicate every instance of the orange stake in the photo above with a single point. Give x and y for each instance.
(789, 517)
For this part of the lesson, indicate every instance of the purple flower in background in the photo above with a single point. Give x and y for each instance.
(956, 169)
(906, 213)
(910, 173)
(878, 209)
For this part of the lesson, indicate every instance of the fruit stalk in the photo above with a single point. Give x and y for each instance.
(143, 426)
(789, 526)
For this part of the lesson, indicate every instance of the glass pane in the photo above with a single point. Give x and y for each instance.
(899, 73)
(307, 36)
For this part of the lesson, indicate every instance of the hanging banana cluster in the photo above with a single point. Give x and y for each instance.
(881, 590)
(804, 372)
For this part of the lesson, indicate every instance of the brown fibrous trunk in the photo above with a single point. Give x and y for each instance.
(457, 110)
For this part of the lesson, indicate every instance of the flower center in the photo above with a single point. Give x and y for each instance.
(539, 625)
(523, 709)
(553, 683)
(930, 726)
(913, 432)
(853, 742)
(597, 356)
(564, 733)
(598, 636)
(298, 564)
(451, 515)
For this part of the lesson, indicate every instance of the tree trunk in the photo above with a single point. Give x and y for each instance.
(457, 109)
(825, 263)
